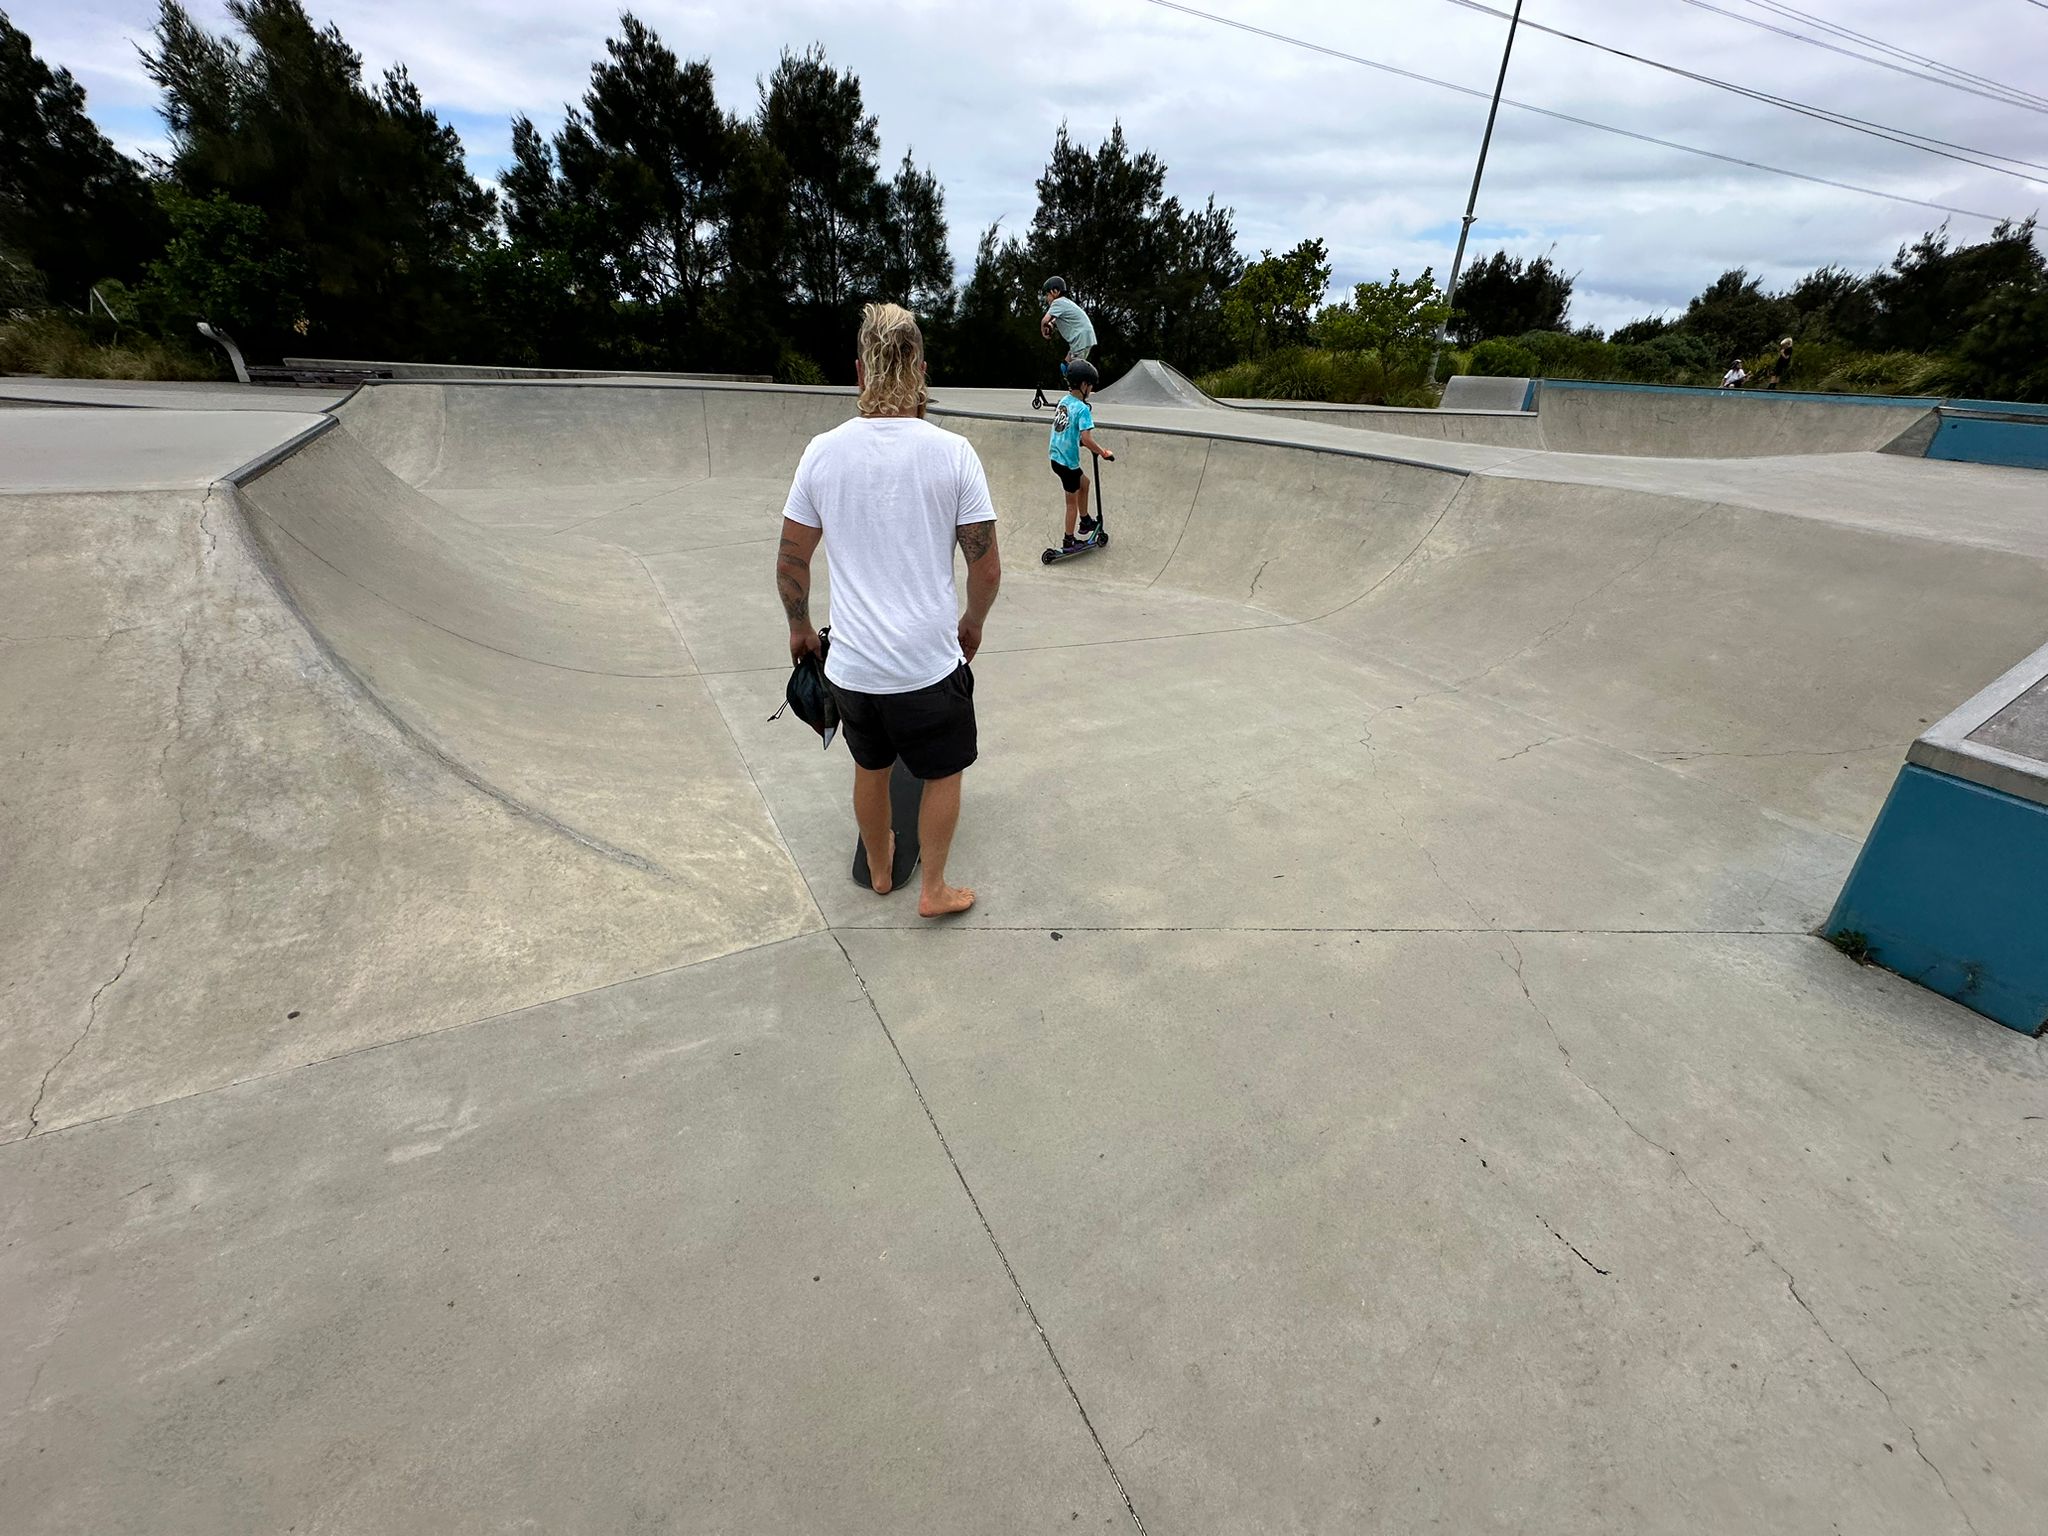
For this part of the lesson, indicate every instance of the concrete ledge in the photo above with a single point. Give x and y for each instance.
(1959, 745)
(493, 371)
(2017, 438)
(1951, 891)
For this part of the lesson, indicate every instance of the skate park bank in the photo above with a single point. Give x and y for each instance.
(1391, 1074)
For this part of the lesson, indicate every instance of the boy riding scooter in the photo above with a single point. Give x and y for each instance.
(1073, 428)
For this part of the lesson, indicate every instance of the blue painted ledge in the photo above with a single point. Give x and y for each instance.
(1951, 891)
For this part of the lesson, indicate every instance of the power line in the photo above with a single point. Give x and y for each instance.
(1566, 117)
(1907, 137)
(2012, 100)
(1911, 56)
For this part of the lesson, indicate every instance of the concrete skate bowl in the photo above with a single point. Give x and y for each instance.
(1392, 987)
(1672, 647)
(497, 729)
(1653, 422)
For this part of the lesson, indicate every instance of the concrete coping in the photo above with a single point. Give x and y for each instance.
(1948, 746)
(1709, 392)
(458, 372)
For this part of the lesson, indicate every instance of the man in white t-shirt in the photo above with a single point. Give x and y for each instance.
(891, 495)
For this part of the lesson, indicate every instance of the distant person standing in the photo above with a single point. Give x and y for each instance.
(1736, 373)
(892, 496)
(1781, 365)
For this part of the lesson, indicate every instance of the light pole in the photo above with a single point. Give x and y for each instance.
(1472, 202)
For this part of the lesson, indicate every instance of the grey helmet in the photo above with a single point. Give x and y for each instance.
(1053, 285)
(1083, 372)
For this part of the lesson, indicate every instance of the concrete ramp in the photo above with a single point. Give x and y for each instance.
(1475, 392)
(1152, 382)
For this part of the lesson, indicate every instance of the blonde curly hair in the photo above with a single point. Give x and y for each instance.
(892, 360)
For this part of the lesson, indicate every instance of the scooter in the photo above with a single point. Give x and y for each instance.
(1094, 533)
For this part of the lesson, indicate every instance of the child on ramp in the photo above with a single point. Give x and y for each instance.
(1073, 429)
(1076, 330)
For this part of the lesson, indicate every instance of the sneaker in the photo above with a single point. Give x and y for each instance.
(1069, 542)
(1087, 528)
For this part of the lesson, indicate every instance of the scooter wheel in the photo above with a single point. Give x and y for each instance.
(1102, 538)
(1046, 557)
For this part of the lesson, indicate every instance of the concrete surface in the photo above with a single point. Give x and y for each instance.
(2022, 726)
(130, 394)
(1388, 1080)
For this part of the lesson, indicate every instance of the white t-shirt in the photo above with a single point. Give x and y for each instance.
(889, 492)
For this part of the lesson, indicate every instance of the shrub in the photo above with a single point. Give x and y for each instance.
(794, 368)
(1503, 360)
(1349, 377)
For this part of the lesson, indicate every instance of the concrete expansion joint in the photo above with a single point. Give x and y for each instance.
(988, 1231)
(1756, 1244)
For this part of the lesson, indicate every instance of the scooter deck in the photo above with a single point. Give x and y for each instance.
(906, 795)
(1100, 540)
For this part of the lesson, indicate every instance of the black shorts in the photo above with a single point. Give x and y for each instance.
(1069, 478)
(931, 729)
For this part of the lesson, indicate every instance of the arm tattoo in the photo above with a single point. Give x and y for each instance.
(976, 539)
(793, 581)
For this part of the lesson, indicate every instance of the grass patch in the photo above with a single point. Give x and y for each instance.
(1852, 942)
(53, 345)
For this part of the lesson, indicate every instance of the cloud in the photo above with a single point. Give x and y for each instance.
(1298, 144)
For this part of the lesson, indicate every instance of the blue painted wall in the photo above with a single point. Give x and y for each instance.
(1951, 891)
(1978, 440)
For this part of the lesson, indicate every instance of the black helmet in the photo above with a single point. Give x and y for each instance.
(1083, 372)
(1053, 285)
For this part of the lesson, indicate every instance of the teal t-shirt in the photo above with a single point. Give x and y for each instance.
(1068, 423)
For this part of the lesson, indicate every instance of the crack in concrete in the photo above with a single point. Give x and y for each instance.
(1545, 636)
(1194, 501)
(176, 732)
(1571, 1245)
(1546, 741)
(1756, 1244)
(1687, 757)
(988, 1231)
(1912, 1434)
(1400, 817)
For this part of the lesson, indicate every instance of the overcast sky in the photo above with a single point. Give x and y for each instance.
(1297, 143)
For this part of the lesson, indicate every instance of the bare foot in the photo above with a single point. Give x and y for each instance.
(945, 901)
(882, 876)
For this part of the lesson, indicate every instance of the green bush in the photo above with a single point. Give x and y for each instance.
(1312, 373)
(1503, 360)
(794, 368)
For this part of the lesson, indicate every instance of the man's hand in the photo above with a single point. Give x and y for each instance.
(804, 642)
(970, 635)
(1045, 326)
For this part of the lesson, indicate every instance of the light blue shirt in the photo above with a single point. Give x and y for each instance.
(1068, 423)
(1072, 322)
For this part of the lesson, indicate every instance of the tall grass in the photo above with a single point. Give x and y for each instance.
(55, 346)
